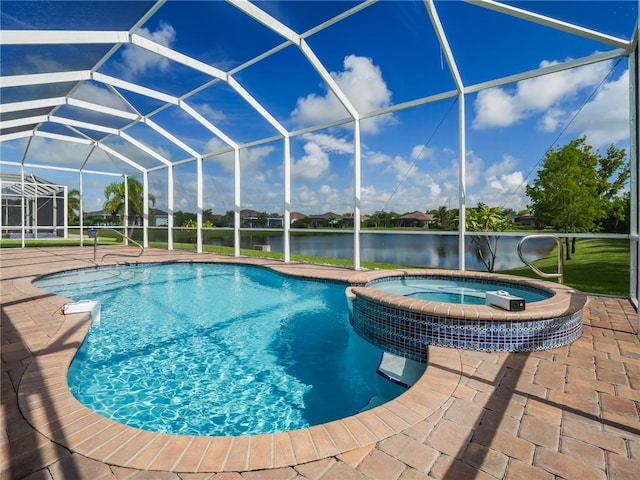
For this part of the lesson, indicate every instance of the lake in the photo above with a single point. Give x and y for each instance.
(415, 249)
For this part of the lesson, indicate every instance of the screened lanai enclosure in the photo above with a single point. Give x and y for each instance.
(32, 207)
(267, 112)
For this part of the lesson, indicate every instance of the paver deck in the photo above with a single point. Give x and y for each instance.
(566, 413)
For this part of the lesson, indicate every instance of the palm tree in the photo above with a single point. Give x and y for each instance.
(444, 216)
(73, 206)
(115, 194)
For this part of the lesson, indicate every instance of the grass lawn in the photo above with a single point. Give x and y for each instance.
(57, 242)
(598, 266)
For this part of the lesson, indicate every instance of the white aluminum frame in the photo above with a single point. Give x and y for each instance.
(621, 47)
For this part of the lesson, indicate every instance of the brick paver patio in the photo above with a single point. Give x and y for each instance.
(566, 413)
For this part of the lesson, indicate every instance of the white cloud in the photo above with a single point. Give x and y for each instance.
(315, 110)
(508, 163)
(90, 92)
(426, 181)
(323, 199)
(138, 60)
(327, 190)
(474, 169)
(505, 182)
(417, 185)
(330, 143)
(400, 166)
(45, 151)
(420, 152)
(40, 63)
(304, 199)
(251, 159)
(405, 199)
(501, 107)
(496, 108)
(605, 120)
(225, 160)
(552, 119)
(313, 165)
(501, 185)
(414, 185)
(210, 113)
(377, 158)
(362, 83)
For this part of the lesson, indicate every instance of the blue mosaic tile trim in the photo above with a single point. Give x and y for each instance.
(409, 333)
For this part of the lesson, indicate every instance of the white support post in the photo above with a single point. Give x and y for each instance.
(65, 206)
(34, 222)
(23, 207)
(462, 186)
(2, 216)
(55, 212)
(634, 161)
(357, 167)
(287, 199)
(170, 205)
(453, 68)
(145, 208)
(236, 203)
(200, 202)
(126, 210)
(81, 209)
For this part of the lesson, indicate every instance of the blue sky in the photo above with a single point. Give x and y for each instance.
(384, 55)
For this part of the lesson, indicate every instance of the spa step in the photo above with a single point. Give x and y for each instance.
(400, 370)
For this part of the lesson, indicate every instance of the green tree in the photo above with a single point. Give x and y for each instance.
(181, 218)
(444, 217)
(486, 219)
(618, 214)
(382, 219)
(613, 176)
(73, 207)
(574, 188)
(115, 194)
(227, 219)
(191, 226)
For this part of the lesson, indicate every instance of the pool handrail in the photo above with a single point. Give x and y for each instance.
(95, 245)
(559, 274)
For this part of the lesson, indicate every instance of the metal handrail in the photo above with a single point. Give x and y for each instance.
(536, 269)
(95, 245)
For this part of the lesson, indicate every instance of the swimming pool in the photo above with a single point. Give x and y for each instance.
(467, 291)
(213, 349)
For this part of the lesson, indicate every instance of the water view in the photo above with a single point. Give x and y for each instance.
(415, 249)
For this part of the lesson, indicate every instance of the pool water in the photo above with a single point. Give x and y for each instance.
(458, 290)
(211, 349)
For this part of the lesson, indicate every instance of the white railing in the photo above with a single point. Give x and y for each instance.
(557, 275)
(95, 233)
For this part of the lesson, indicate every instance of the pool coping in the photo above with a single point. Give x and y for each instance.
(565, 300)
(44, 388)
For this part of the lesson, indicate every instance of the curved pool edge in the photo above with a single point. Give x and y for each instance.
(406, 325)
(43, 389)
(565, 299)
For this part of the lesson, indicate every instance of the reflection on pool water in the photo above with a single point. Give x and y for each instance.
(465, 291)
(211, 349)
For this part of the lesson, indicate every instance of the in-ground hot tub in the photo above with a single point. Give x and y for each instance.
(403, 323)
